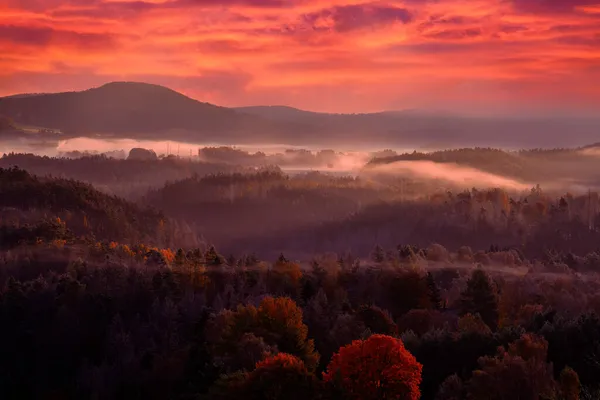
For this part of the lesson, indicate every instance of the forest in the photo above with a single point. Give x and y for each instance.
(225, 276)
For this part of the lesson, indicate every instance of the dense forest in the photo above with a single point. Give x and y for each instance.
(208, 279)
(126, 178)
(560, 165)
(108, 320)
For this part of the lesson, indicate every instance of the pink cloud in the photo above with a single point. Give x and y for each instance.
(341, 55)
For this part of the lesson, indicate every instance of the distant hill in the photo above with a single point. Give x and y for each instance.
(437, 130)
(128, 108)
(145, 111)
(281, 113)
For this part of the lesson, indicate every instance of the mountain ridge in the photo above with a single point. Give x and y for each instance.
(144, 111)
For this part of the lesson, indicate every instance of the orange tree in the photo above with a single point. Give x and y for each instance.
(377, 368)
(277, 321)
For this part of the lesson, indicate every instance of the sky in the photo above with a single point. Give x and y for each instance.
(470, 56)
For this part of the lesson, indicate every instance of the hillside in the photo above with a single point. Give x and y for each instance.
(146, 111)
(419, 128)
(125, 178)
(25, 198)
(557, 168)
(135, 109)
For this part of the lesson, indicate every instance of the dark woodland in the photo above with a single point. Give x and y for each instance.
(226, 277)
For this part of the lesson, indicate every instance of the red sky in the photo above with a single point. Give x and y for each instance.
(491, 56)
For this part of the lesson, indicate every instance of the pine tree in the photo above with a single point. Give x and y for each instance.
(378, 254)
(434, 292)
(282, 259)
(212, 257)
(480, 298)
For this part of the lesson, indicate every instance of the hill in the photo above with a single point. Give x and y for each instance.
(418, 128)
(125, 178)
(26, 198)
(145, 111)
(129, 109)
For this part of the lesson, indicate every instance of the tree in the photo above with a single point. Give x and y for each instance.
(377, 368)
(278, 321)
(434, 293)
(570, 386)
(281, 322)
(281, 376)
(519, 373)
(376, 320)
(213, 257)
(285, 277)
(378, 254)
(451, 389)
(470, 323)
(404, 292)
(480, 298)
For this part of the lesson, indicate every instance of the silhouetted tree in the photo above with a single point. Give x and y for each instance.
(480, 298)
(434, 292)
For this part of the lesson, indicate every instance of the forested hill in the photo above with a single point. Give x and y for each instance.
(533, 165)
(145, 111)
(135, 109)
(25, 198)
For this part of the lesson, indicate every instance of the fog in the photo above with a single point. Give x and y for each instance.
(573, 172)
(452, 173)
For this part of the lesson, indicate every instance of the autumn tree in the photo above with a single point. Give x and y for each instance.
(284, 277)
(570, 386)
(480, 298)
(281, 322)
(278, 321)
(470, 323)
(281, 376)
(521, 372)
(377, 368)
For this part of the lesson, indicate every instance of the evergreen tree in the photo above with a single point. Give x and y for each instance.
(282, 259)
(434, 292)
(213, 257)
(378, 254)
(479, 298)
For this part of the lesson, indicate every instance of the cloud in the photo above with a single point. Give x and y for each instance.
(456, 34)
(43, 37)
(551, 6)
(356, 16)
(334, 55)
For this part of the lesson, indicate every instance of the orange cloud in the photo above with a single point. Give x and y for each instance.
(335, 55)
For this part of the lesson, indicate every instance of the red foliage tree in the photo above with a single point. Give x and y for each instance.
(377, 368)
(281, 376)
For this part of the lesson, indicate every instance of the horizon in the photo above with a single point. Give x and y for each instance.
(417, 111)
(483, 57)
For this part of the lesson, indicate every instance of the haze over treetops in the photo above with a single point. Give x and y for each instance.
(481, 56)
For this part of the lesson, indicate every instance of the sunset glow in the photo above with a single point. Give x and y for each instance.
(338, 56)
